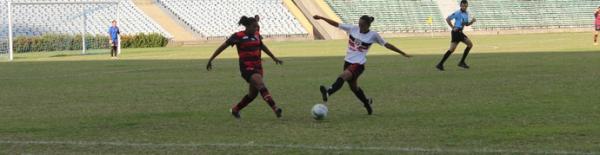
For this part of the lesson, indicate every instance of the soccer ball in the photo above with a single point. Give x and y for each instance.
(319, 111)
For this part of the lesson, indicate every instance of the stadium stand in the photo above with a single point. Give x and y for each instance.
(3, 30)
(3, 18)
(217, 19)
(532, 14)
(392, 16)
(33, 20)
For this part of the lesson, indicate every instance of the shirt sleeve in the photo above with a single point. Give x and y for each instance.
(346, 27)
(379, 39)
(452, 16)
(232, 39)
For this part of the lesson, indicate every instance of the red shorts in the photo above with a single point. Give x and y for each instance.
(355, 69)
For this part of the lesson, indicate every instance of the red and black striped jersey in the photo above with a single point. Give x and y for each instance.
(248, 47)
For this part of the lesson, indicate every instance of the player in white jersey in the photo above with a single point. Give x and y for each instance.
(360, 40)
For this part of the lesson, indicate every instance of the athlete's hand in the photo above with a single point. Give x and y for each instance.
(317, 17)
(209, 66)
(277, 61)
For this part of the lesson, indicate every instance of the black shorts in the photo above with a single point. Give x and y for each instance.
(597, 27)
(355, 69)
(458, 36)
(248, 72)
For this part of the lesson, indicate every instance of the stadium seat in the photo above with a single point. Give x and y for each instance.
(218, 18)
(33, 20)
(392, 16)
(519, 14)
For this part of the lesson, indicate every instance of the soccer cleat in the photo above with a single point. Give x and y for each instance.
(235, 114)
(463, 65)
(324, 93)
(278, 112)
(440, 67)
(368, 106)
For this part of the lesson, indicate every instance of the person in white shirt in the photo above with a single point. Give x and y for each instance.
(360, 40)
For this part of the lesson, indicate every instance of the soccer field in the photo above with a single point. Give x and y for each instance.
(525, 94)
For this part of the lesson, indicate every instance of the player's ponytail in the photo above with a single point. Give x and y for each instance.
(246, 21)
(243, 20)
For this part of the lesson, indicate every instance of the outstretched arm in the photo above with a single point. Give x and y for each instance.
(395, 49)
(329, 21)
(264, 48)
(217, 52)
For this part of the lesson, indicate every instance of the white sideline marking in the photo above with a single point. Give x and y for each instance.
(295, 146)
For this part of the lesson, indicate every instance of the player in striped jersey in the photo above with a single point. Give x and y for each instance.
(249, 45)
(597, 25)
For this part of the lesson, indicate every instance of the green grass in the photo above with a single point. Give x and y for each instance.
(526, 94)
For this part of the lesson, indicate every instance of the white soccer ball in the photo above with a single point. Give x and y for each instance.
(319, 111)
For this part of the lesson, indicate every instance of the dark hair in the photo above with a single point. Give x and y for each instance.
(114, 21)
(247, 21)
(367, 18)
(464, 2)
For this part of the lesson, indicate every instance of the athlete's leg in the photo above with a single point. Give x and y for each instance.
(453, 46)
(358, 92)
(462, 62)
(257, 82)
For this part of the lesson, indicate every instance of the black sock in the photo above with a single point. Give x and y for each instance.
(115, 49)
(465, 54)
(448, 53)
(336, 86)
(361, 96)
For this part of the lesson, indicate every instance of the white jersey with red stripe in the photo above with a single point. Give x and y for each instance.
(359, 43)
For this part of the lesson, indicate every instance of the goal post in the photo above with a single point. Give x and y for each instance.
(78, 19)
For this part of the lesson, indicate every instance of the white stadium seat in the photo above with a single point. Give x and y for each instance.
(33, 20)
(218, 18)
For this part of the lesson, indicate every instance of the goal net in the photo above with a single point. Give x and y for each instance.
(56, 28)
(3, 30)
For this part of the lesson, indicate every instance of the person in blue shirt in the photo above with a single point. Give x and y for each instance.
(461, 20)
(113, 33)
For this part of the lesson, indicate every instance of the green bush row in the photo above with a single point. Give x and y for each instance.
(60, 42)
